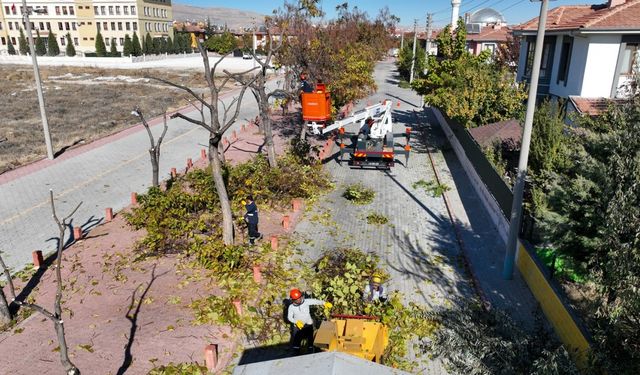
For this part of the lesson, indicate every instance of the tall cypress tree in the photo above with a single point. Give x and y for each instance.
(127, 49)
(41, 49)
(23, 46)
(53, 49)
(147, 47)
(170, 46)
(10, 48)
(71, 50)
(136, 48)
(101, 49)
(114, 50)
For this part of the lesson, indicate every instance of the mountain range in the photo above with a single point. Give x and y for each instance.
(233, 18)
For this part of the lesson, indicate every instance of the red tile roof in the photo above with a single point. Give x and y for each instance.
(490, 34)
(593, 106)
(589, 17)
(502, 131)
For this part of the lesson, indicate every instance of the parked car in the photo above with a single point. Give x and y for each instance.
(247, 56)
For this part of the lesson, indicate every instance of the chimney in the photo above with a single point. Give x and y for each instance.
(455, 11)
(615, 3)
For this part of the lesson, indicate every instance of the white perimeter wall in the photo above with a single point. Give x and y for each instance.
(601, 65)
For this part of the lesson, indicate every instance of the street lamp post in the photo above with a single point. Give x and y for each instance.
(516, 206)
(36, 73)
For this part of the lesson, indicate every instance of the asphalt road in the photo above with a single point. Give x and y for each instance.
(101, 174)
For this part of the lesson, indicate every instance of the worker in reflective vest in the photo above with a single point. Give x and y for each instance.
(374, 291)
(299, 315)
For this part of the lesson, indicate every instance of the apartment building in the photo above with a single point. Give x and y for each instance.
(82, 19)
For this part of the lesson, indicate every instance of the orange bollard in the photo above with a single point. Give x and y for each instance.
(243, 128)
(257, 274)
(189, 163)
(77, 233)
(108, 214)
(238, 306)
(234, 136)
(174, 173)
(398, 105)
(274, 242)
(203, 154)
(134, 198)
(225, 141)
(296, 204)
(211, 356)
(285, 222)
(38, 261)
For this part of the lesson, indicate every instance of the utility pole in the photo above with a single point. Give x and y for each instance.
(428, 45)
(402, 40)
(516, 206)
(413, 57)
(36, 73)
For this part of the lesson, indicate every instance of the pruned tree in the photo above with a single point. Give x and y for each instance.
(154, 149)
(56, 315)
(259, 90)
(221, 117)
(5, 312)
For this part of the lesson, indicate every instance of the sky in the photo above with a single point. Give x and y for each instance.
(515, 11)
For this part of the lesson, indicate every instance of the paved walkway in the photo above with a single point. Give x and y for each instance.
(101, 174)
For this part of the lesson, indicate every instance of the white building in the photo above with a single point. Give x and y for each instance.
(590, 51)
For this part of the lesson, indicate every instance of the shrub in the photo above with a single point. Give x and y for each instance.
(376, 218)
(101, 49)
(53, 49)
(432, 187)
(359, 194)
(70, 50)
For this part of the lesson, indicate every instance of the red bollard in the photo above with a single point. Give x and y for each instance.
(398, 104)
(38, 261)
(234, 136)
(285, 222)
(225, 141)
(77, 233)
(174, 173)
(296, 204)
(243, 128)
(274, 242)
(257, 274)
(189, 163)
(134, 198)
(238, 306)
(203, 154)
(211, 356)
(108, 214)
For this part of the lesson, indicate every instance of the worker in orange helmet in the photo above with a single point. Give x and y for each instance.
(299, 315)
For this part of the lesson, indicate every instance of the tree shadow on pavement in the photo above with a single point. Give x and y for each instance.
(133, 319)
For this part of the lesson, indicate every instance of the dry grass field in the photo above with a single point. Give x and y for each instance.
(83, 104)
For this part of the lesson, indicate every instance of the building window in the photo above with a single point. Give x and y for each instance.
(630, 59)
(104, 26)
(62, 41)
(125, 10)
(111, 10)
(98, 26)
(103, 10)
(10, 26)
(107, 41)
(71, 10)
(3, 40)
(545, 63)
(121, 41)
(49, 26)
(57, 10)
(41, 26)
(75, 41)
(13, 40)
(0, 25)
(118, 10)
(565, 59)
(73, 26)
(128, 26)
(60, 26)
(119, 26)
(6, 9)
(84, 38)
(67, 26)
(95, 10)
(113, 26)
(64, 10)
(133, 10)
(135, 26)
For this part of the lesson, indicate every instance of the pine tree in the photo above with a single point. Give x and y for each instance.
(147, 47)
(177, 43)
(10, 48)
(114, 50)
(41, 49)
(23, 46)
(136, 49)
(157, 46)
(101, 49)
(71, 50)
(170, 48)
(127, 49)
(53, 49)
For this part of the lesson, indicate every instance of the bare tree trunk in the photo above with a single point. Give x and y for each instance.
(154, 148)
(220, 152)
(5, 313)
(155, 167)
(259, 91)
(223, 196)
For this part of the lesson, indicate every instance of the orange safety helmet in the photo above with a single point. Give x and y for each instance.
(295, 293)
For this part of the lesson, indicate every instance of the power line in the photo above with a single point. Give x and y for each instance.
(512, 5)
